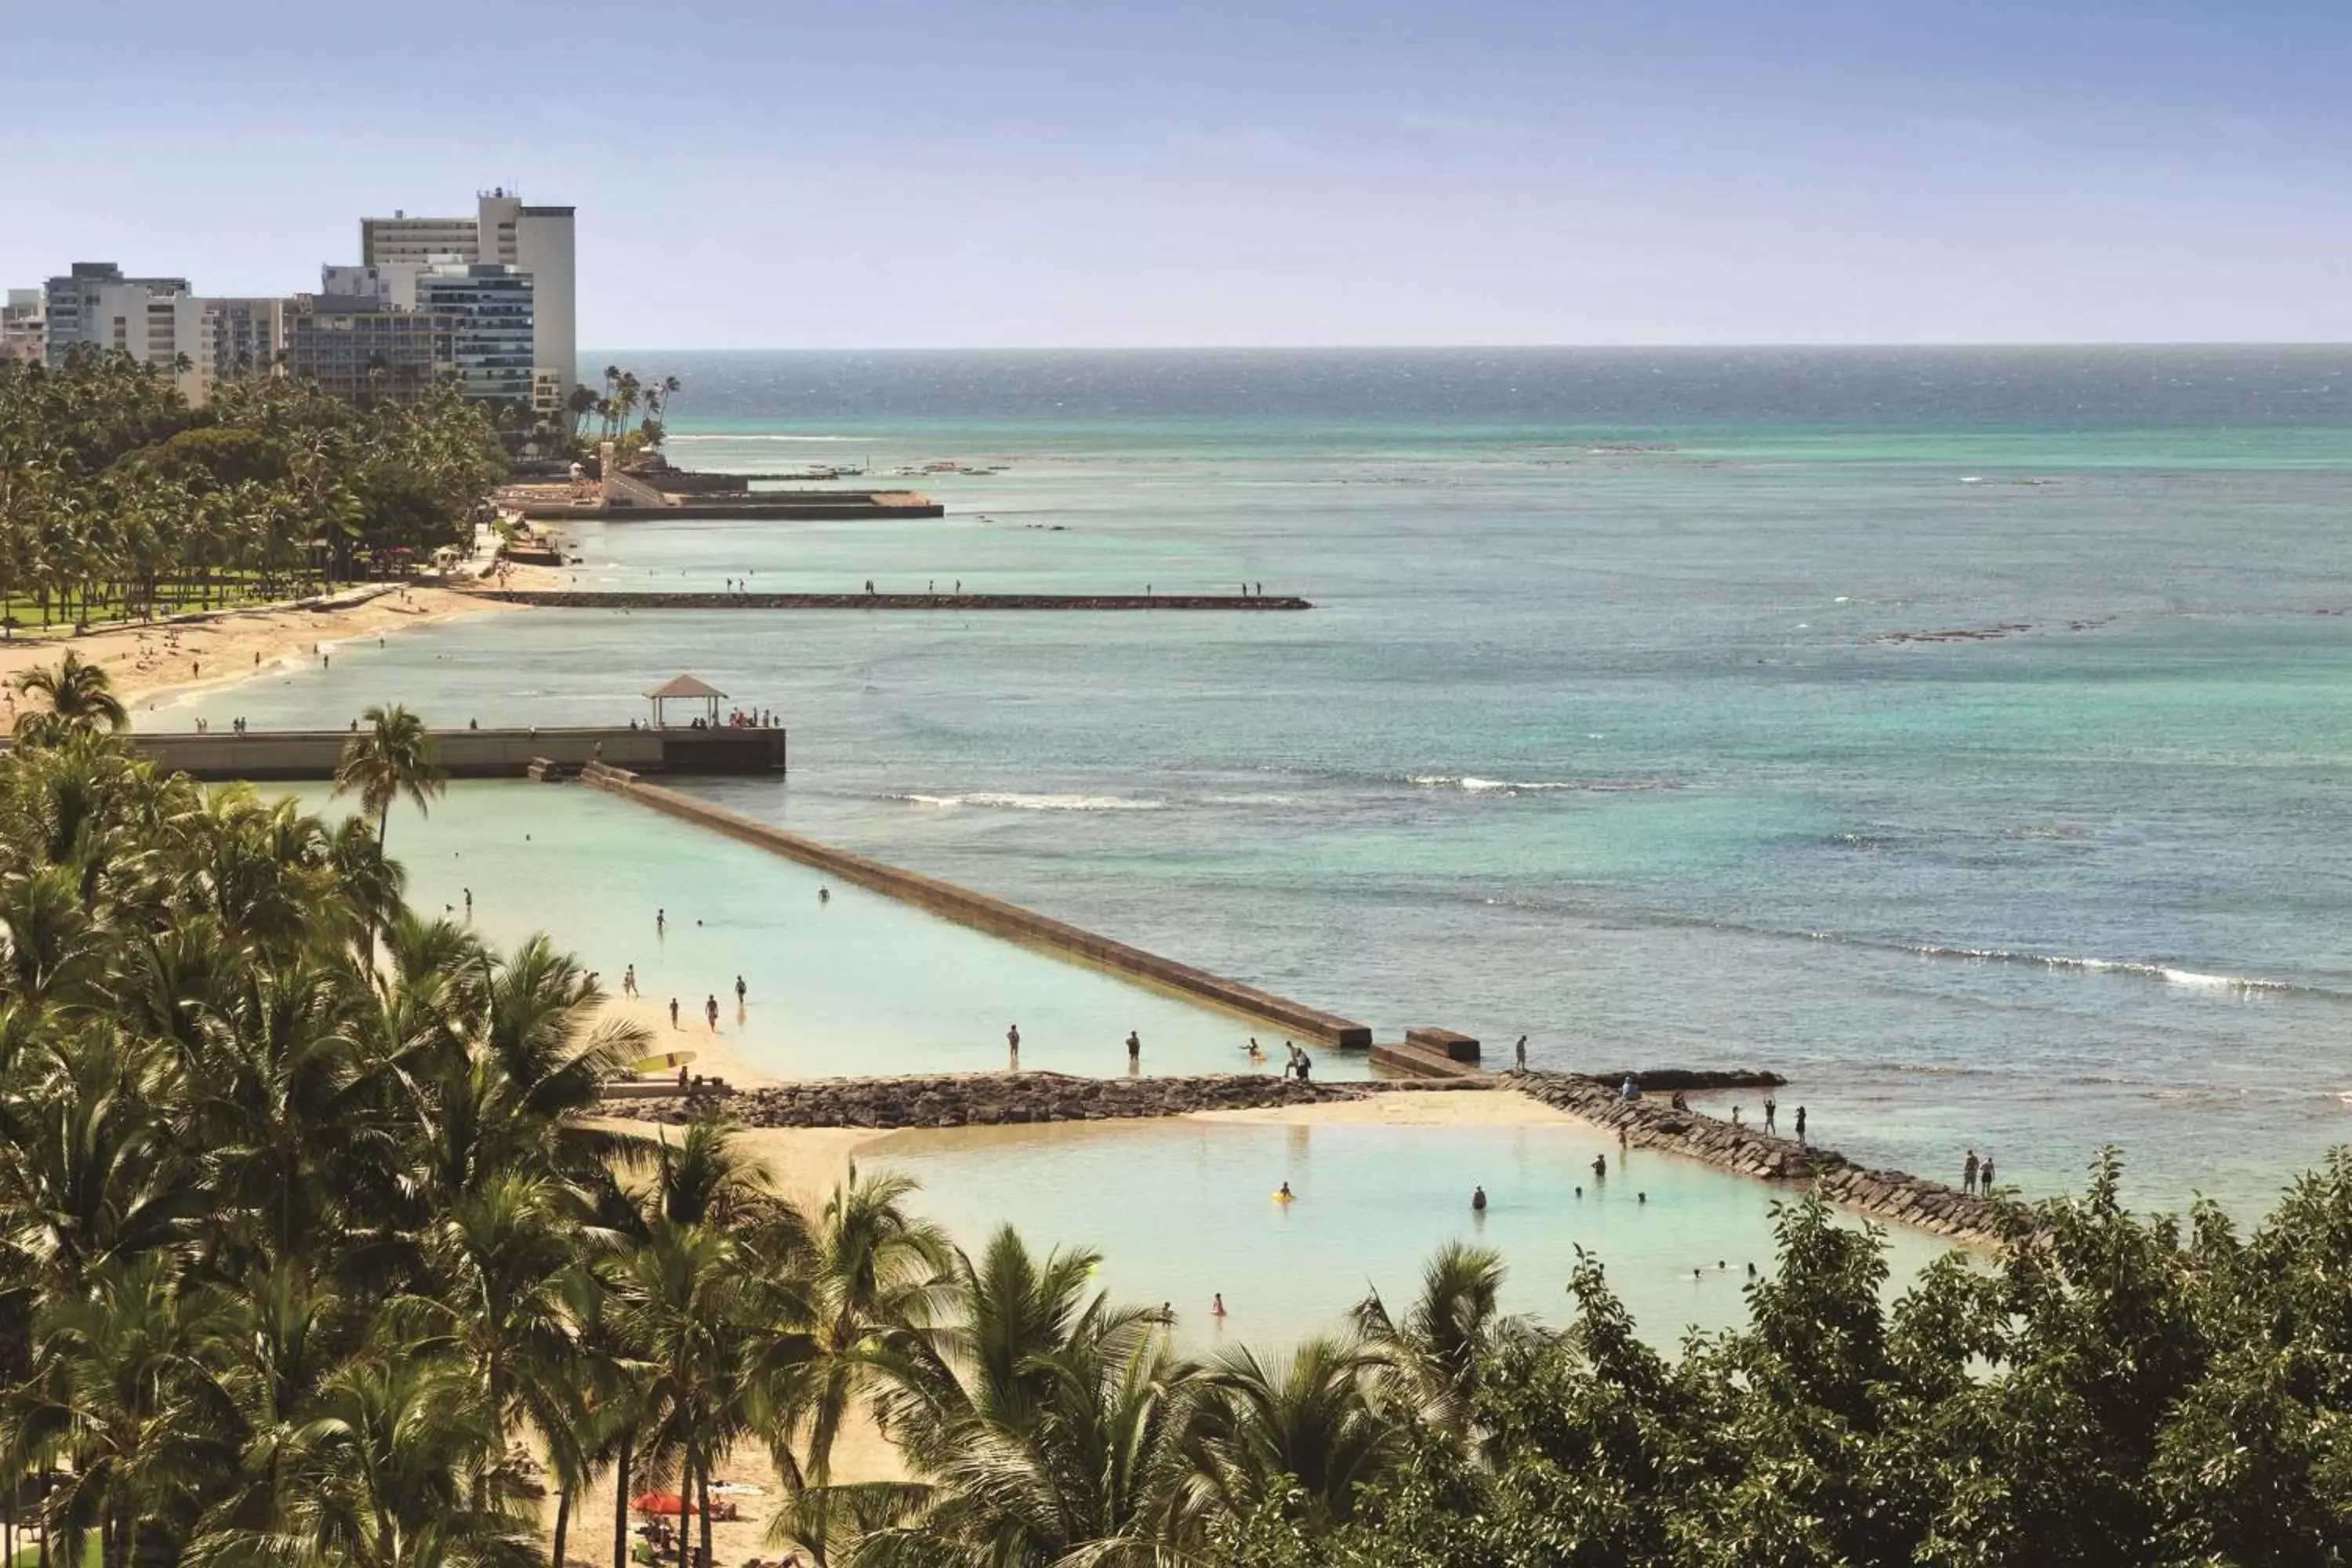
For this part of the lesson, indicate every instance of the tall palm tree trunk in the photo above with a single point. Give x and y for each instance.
(563, 1523)
(702, 1481)
(621, 1505)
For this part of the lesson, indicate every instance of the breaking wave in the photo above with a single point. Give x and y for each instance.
(1537, 787)
(2170, 974)
(1006, 801)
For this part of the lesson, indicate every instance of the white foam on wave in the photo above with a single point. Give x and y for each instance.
(1001, 800)
(1471, 786)
(766, 435)
(2170, 975)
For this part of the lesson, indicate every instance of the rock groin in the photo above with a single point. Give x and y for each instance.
(991, 1099)
(1750, 1152)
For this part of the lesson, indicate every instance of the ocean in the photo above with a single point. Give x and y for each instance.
(1959, 732)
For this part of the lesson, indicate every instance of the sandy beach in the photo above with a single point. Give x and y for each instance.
(147, 663)
(1409, 1107)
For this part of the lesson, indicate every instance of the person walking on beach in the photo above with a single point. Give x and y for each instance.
(673, 1011)
(1520, 1056)
(710, 1012)
(1134, 1053)
(1801, 1124)
(1013, 1048)
(629, 981)
(1772, 1107)
(1969, 1174)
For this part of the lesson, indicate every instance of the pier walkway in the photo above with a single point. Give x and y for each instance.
(596, 599)
(291, 755)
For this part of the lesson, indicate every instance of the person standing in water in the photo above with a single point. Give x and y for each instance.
(710, 1012)
(629, 981)
(1134, 1053)
(661, 922)
(739, 992)
(1478, 1200)
(1013, 1048)
(1217, 1304)
(825, 895)
(1601, 1167)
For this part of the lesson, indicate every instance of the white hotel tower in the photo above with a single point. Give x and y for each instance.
(503, 231)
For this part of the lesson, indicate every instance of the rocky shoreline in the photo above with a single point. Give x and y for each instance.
(1892, 1194)
(992, 1099)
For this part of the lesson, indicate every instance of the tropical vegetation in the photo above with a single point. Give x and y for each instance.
(118, 500)
(314, 1251)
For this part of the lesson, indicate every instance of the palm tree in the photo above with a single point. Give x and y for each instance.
(1306, 1430)
(81, 695)
(391, 757)
(1433, 1354)
(1040, 1421)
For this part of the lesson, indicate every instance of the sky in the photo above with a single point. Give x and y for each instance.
(767, 173)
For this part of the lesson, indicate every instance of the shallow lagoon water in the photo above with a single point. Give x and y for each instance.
(1182, 1209)
(856, 984)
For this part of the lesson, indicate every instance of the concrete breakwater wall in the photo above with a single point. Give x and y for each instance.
(592, 599)
(992, 914)
(991, 1099)
(1891, 1194)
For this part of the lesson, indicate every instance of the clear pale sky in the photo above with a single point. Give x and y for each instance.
(1237, 172)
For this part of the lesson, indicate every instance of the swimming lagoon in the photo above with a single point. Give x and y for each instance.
(1182, 1209)
(852, 983)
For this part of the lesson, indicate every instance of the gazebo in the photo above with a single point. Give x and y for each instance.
(685, 689)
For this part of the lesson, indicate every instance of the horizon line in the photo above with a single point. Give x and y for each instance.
(1495, 348)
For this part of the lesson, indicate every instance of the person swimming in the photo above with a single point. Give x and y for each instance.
(1286, 1195)
(1478, 1200)
(1217, 1304)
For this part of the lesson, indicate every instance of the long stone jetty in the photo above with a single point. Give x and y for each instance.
(989, 914)
(998, 1098)
(292, 755)
(601, 599)
(1892, 1194)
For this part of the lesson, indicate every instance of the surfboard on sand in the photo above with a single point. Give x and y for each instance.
(662, 1061)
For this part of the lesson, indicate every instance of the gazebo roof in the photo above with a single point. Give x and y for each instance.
(686, 686)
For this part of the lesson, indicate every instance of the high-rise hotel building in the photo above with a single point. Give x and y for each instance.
(535, 241)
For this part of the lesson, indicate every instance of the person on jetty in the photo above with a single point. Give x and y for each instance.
(1520, 1056)
(1477, 1200)
(1984, 1179)
(1801, 1124)
(1772, 1107)
(1734, 1116)
(1969, 1174)
(1631, 1089)
(1680, 1101)
(1134, 1053)
(1013, 1048)
(1306, 1067)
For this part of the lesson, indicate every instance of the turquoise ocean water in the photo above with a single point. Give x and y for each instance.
(1610, 726)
